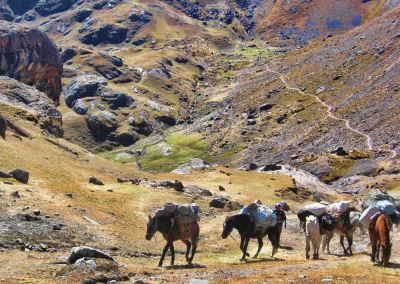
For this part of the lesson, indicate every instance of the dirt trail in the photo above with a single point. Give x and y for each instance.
(329, 108)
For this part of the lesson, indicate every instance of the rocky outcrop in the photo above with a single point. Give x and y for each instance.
(49, 7)
(20, 7)
(41, 109)
(3, 127)
(29, 56)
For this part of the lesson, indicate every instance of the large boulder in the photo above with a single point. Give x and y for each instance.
(31, 57)
(105, 34)
(101, 124)
(84, 86)
(49, 7)
(6, 13)
(19, 7)
(41, 109)
(3, 127)
(86, 252)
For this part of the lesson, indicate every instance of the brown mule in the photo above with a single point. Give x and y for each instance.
(173, 231)
(379, 234)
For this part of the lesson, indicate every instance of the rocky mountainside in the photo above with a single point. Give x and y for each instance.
(111, 108)
(251, 76)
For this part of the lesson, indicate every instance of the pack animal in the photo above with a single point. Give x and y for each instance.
(172, 231)
(246, 227)
(379, 234)
(313, 236)
(344, 232)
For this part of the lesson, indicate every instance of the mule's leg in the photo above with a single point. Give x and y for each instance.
(167, 246)
(315, 251)
(373, 243)
(194, 248)
(260, 245)
(328, 240)
(188, 246)
(172, 250)
(308, 240)
(318, 244)
(350, 243)
(342, 244)
(245, 245)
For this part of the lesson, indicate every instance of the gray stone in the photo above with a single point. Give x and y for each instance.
(20, 175)
(81, 252)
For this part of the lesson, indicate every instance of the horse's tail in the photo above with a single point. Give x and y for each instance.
(386, 231)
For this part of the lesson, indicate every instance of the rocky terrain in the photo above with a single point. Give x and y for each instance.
(110, 108)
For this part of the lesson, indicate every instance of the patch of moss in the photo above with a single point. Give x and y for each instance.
(175, 150)
(340, 167)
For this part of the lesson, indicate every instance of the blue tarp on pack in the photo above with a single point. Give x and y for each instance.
(264, 217)
(386, 207)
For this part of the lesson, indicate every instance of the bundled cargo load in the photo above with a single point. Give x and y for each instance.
(380, 207)
(339, 207)
(262, 215)
(316, 209)
(386, 207)
(185, 213)
(368, 215)
(328, 222)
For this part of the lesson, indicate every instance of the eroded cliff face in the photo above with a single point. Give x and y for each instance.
(31, 105)
(29, 56)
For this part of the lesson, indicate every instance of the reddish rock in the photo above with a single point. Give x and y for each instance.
(29, 56)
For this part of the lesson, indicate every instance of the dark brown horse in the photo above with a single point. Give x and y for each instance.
(379, 234)
(246, 227)
(173, 231)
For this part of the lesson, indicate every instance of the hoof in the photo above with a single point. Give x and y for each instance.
(247, 254)
(307, 257)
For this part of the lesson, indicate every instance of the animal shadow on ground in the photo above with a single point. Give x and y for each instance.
(264, 259)
(390, 265)
(185, 266)
(286, 247)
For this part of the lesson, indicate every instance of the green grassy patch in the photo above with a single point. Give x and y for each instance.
(175, 150)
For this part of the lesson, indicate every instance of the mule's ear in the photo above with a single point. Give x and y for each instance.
(149, 217)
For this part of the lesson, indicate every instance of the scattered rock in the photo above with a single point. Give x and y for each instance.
(102, 123)
(15, 194)
(70, 195)
(340, 151)
(108, 33)
(95, 181)
(4, 175)
(364, 167)
(271, 167)
(177, 185)
(37, 212)
(320, 90)
(20, 175)
(266, 107)
(221, 188)
(251, 166)
(84, 86)
(196, 190)
(82, 252)
(82, 15)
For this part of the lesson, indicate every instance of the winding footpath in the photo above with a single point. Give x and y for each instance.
(368, 138)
